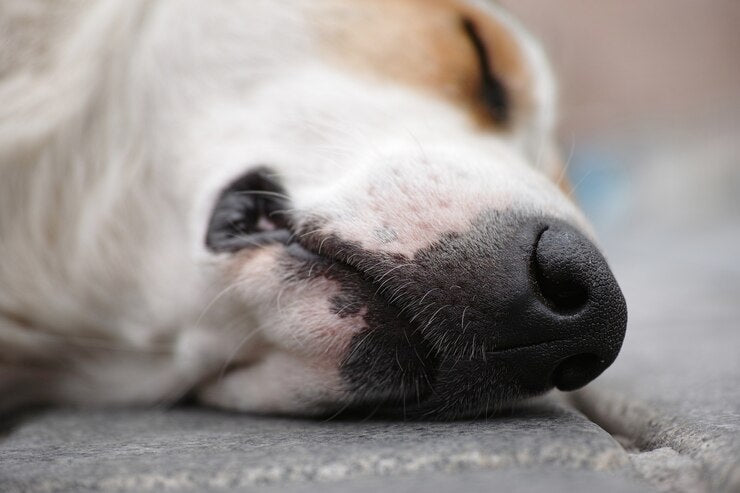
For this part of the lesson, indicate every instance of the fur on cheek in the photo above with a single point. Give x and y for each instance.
(296, 313)
(279, 383)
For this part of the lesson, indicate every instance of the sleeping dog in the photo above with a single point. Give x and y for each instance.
(297, 207)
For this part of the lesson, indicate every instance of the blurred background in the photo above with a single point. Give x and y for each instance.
(650, 107)
(650, 124)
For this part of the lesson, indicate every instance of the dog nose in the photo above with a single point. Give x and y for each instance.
(514, 306)
(580, 304)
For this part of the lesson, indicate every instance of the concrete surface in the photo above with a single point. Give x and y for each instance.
(151, 450)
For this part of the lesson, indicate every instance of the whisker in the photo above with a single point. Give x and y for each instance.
(432, 317)
(564, 171)
(308, 233)
(580, 182)
(398, 292)
(357, 346)
(283, 211)
(341, 310)
(339, 411)
(216, 298)
(232, 356)
(382, 285)
(106, 344)
(425, 295)
(421, 311)
(263, 192)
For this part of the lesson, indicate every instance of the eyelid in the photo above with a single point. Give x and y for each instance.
(492, 91)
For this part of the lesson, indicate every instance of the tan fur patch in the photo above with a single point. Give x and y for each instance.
(422, 43)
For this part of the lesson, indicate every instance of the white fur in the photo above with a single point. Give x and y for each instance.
(120, 122)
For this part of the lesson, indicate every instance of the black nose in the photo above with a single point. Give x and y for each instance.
(581, 305)
(511, 307)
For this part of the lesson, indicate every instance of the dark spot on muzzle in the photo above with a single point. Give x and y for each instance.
(511, 308)
(400, 361)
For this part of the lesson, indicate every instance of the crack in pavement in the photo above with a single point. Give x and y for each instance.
(669, 452)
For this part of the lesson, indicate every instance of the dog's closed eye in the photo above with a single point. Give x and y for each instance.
(492, 91)
(248, 213)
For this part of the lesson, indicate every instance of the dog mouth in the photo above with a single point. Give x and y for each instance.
(390, 368)
(252, 213)
(503, 329)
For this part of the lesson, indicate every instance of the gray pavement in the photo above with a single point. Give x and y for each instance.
(150, 450)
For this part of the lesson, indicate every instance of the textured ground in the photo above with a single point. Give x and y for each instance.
(665, 417)
(148, 450)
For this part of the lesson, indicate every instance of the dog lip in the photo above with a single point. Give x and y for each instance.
(522, 347)
(389, 329)
(297, 250)
(427, 405)
(348, 253)
(314, 248)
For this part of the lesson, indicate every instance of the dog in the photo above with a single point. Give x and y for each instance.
(304, 207)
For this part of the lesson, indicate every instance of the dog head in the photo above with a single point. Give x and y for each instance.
(387, 215)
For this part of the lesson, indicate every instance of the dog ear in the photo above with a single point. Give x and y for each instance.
(248, 213)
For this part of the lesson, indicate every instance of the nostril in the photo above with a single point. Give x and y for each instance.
(576, 371)
(553, 275)
(560, 293)
(575, 300)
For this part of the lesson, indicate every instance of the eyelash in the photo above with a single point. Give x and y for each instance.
(492, 91)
